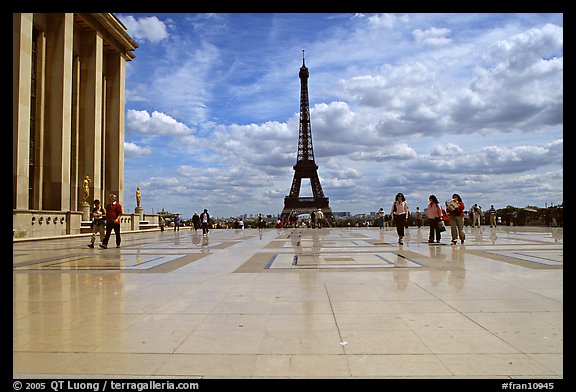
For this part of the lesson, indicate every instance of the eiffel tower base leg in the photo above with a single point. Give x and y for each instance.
(289, 213)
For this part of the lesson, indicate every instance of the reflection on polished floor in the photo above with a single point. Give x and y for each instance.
(292, 303)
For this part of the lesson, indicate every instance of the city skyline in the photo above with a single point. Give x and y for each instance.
(414, 103)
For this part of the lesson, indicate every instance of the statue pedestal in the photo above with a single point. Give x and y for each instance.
(86, 211)
(140, 212)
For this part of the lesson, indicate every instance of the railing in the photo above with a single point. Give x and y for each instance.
(305, 202)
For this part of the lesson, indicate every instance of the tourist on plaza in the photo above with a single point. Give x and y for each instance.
(381, 214)
(177, 221)
(260, 222)
(455, 209)
(399, 215)
(476, 211)
(113, 214)
(434, 215)
(418, 215)
(312, 219)
(492, 214)
(196, 221)
(98, 222)
(319, 218)
(161, 222)
(205, 222)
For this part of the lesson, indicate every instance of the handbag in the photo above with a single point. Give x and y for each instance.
(441, 225)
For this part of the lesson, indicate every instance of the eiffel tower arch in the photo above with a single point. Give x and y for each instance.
(305, 166)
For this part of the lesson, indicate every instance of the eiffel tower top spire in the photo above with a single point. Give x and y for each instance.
(305, 148)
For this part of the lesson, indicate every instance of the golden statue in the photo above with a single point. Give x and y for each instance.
(86, 188)
(137, 197)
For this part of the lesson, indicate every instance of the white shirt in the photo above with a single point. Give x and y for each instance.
(401, 208)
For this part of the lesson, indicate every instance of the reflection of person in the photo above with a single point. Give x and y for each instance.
(137, 197)
(86, 187)
(400, 273)
(113, 214)
(98, 222)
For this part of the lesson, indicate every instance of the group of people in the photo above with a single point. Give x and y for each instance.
(198, 221)
(106, 219)
(436, 214)
(317, 219)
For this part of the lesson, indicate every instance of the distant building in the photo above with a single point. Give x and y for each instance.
(342, 214)
(68, 88)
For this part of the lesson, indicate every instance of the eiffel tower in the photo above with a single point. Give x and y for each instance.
(305, 165)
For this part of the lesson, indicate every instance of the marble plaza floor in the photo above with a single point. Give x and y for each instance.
(291, 303)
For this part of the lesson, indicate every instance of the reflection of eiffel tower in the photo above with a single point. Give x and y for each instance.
(305, 165)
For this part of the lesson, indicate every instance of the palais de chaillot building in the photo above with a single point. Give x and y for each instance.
(68, 91)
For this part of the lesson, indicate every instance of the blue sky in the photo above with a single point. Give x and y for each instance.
(418, 103)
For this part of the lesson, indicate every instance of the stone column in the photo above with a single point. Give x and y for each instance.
(90, 47)
(114, 127)
(56, 192)
(21, 88)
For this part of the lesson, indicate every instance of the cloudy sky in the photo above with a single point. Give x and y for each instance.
(415, 103)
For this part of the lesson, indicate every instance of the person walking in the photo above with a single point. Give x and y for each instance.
(399, 215)
(205, 222)
(455, 209)
(260, 223)
(98, 222)
(113, 214)
(313, 219)
(319, 218)
(381, 214)
(177, 222)
(196, 221)
(418, 216)
(161, 222)
(475, 215)
(492, 215)
(434, 215)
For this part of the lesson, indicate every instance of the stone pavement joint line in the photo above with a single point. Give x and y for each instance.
(291, 303)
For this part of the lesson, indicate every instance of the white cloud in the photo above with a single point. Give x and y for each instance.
(132, 150)
(432, 36)
(149, 28)
(141, 122)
